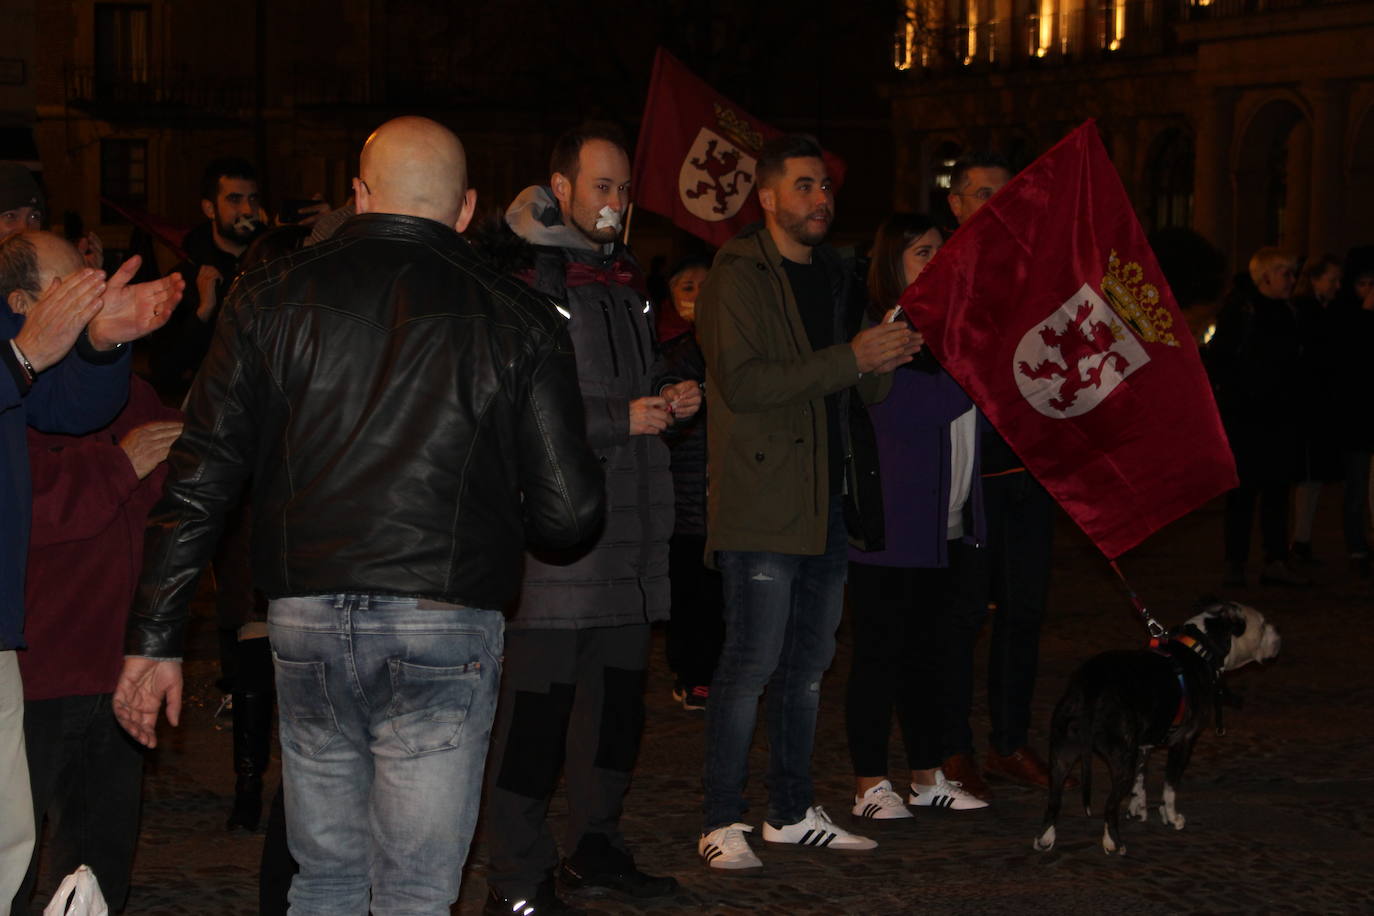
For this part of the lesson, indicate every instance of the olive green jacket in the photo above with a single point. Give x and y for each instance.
(768, 465)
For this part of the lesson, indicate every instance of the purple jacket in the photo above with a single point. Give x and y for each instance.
(912, 427)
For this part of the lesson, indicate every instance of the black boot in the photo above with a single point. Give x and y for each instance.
(247, 809)
(253, 701)
(542, 902)
(597, 863)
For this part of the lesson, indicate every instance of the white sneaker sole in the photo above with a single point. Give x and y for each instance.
(822, 839)
(875, 812)
(714, 856)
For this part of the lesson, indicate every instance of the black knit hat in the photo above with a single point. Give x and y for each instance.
(17, 187)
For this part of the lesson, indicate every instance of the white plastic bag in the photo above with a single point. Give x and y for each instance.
(84, 891)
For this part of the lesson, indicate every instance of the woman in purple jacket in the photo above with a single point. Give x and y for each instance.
(901, 595)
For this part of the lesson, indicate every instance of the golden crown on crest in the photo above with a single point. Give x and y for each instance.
(737, 130)
(1137, 302)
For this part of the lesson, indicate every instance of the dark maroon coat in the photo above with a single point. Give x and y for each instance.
(85, 551)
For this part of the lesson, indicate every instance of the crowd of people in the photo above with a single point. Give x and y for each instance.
(447, 477)
(1289, 366)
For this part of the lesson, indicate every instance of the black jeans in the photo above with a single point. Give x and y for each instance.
(697, 626)
(896, 615)
(87, 779)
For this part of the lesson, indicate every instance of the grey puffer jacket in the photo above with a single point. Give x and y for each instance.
(621, 578)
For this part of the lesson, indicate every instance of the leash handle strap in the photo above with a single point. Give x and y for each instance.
(1155, 628)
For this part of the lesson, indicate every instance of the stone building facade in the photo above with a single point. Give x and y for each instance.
(1250, 121)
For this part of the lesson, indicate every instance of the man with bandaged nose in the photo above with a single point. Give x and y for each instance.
(578, 644)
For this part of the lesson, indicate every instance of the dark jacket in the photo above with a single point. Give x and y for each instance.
(1321, 420)
(622, 576)
(80, 393)
(86, 551)
(176, 350)
(766, 392)
(1255, 363)
(409, 418)
(687, 440)
(1350, 376)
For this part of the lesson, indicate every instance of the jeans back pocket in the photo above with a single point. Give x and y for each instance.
(308, 720)
(428, 707)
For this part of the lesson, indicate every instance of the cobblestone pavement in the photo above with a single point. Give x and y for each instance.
(1280, 811)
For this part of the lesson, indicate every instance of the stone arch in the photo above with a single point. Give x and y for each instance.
(1271, 172)
(1360, 179)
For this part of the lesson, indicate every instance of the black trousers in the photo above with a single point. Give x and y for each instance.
(895, 615)
(1240, 519)
(697, 627)
(87, 780)
(571, 701)
(1012, 572)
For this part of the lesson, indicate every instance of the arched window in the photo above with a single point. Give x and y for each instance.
(1171, 181)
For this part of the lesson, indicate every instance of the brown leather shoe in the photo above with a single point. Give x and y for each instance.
(963, 769)
(1024, 767)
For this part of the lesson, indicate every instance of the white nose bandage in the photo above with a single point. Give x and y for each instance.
(608, 218)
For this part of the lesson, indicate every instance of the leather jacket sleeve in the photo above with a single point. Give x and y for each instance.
(209, 466)
(560, 478)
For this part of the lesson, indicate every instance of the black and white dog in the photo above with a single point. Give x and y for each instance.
(1121, 704)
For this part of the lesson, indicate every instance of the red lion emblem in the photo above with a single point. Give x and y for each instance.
(1077, 343)
(718, 168)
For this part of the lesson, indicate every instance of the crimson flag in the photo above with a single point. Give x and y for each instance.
(698, 153)
(173, 235)
(1050, 310)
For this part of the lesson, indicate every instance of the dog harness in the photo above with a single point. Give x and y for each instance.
(1163, 645)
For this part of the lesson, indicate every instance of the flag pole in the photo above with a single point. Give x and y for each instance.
(629, 215)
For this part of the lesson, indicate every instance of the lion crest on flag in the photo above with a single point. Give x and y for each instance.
(716, 177)
(1068, 364)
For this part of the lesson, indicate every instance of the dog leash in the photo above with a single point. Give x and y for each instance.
(1155, 628)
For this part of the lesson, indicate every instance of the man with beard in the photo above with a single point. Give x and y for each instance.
(577, 648)
(774, 322)
(229, 200)
(233, 211)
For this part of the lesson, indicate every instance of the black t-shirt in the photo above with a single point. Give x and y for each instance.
(811, 288)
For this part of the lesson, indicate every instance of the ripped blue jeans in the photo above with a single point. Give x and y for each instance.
(781, 613)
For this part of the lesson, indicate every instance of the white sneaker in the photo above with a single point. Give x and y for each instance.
(816, 829)
(946, 793)
(726, 847)
(880, 803)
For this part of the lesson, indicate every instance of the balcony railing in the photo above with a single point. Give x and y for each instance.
(151, 92)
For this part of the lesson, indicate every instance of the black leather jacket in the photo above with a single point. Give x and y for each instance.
(409, 417)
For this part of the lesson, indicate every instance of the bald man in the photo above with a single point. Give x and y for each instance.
(410, 420)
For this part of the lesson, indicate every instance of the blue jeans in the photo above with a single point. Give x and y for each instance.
(781, 613)
(386, 711)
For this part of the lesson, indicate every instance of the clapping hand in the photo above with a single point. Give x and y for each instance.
(131, 312)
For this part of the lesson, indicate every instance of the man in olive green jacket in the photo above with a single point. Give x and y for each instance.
(774, 321)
